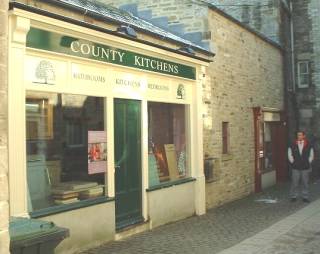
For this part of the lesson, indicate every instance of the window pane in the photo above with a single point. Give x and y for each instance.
(304, 79)
(60, 165)
(167, 142)
(303, 67)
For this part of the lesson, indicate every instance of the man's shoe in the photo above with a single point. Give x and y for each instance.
(293, 199)
(305, 200)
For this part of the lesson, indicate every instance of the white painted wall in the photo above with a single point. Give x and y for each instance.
(171, 204)
(89, 227)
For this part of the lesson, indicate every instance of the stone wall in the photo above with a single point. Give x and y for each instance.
(176, 12)
(306, 22)
(262, 16)
(314, 10)
(186, 18)
(246, 72)
(303, 48)
(4, 193)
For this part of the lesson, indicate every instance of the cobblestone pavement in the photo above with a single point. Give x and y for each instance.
(303, 239)
(218, 229)
(298, 233)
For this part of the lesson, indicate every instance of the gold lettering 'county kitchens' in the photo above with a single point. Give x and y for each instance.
(119, 56)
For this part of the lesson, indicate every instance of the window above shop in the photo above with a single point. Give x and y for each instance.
(303, 74)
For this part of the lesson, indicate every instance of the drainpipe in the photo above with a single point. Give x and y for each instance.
(293, 94)
(292, 51)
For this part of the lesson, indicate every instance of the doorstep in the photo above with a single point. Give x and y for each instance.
(132, 230)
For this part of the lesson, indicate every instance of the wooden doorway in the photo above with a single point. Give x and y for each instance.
(270, 148)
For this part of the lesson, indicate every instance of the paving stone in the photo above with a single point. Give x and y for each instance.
(218, 229)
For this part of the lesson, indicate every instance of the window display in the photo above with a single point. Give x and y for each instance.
(167, 142)
(59, 128)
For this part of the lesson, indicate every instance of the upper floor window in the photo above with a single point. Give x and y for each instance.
(303, 74)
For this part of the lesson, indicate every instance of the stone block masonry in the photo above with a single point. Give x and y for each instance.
(4, 193)
(191, 14)
(306, 25)
(261, 15)
(246, 73)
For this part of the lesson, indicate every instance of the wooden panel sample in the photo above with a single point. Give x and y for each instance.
(172, 161)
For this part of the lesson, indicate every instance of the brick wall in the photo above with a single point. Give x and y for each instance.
(246, 73)
(4, 195)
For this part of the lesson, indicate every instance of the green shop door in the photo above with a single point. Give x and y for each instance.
(127, 131)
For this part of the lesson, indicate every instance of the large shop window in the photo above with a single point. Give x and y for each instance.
(66, 149)
(168, 160)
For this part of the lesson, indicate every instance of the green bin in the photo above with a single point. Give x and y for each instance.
(31, 236)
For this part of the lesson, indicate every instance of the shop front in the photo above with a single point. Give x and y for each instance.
(104, 133)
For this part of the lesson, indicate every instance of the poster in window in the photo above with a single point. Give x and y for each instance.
(97, 152)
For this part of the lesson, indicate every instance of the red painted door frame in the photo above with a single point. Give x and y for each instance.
(258, 118)
(279, 148)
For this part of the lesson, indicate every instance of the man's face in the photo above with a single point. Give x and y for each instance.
(300, 136)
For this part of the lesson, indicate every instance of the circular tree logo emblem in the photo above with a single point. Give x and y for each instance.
(45, 72)
(181, 92)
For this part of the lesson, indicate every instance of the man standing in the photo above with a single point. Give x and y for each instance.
(300, 155)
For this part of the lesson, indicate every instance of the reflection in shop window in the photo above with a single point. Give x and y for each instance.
(59, 168)
(168, 160)
(76, 133)
(39, 124)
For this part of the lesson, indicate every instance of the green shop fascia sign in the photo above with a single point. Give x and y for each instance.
(54, 42)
